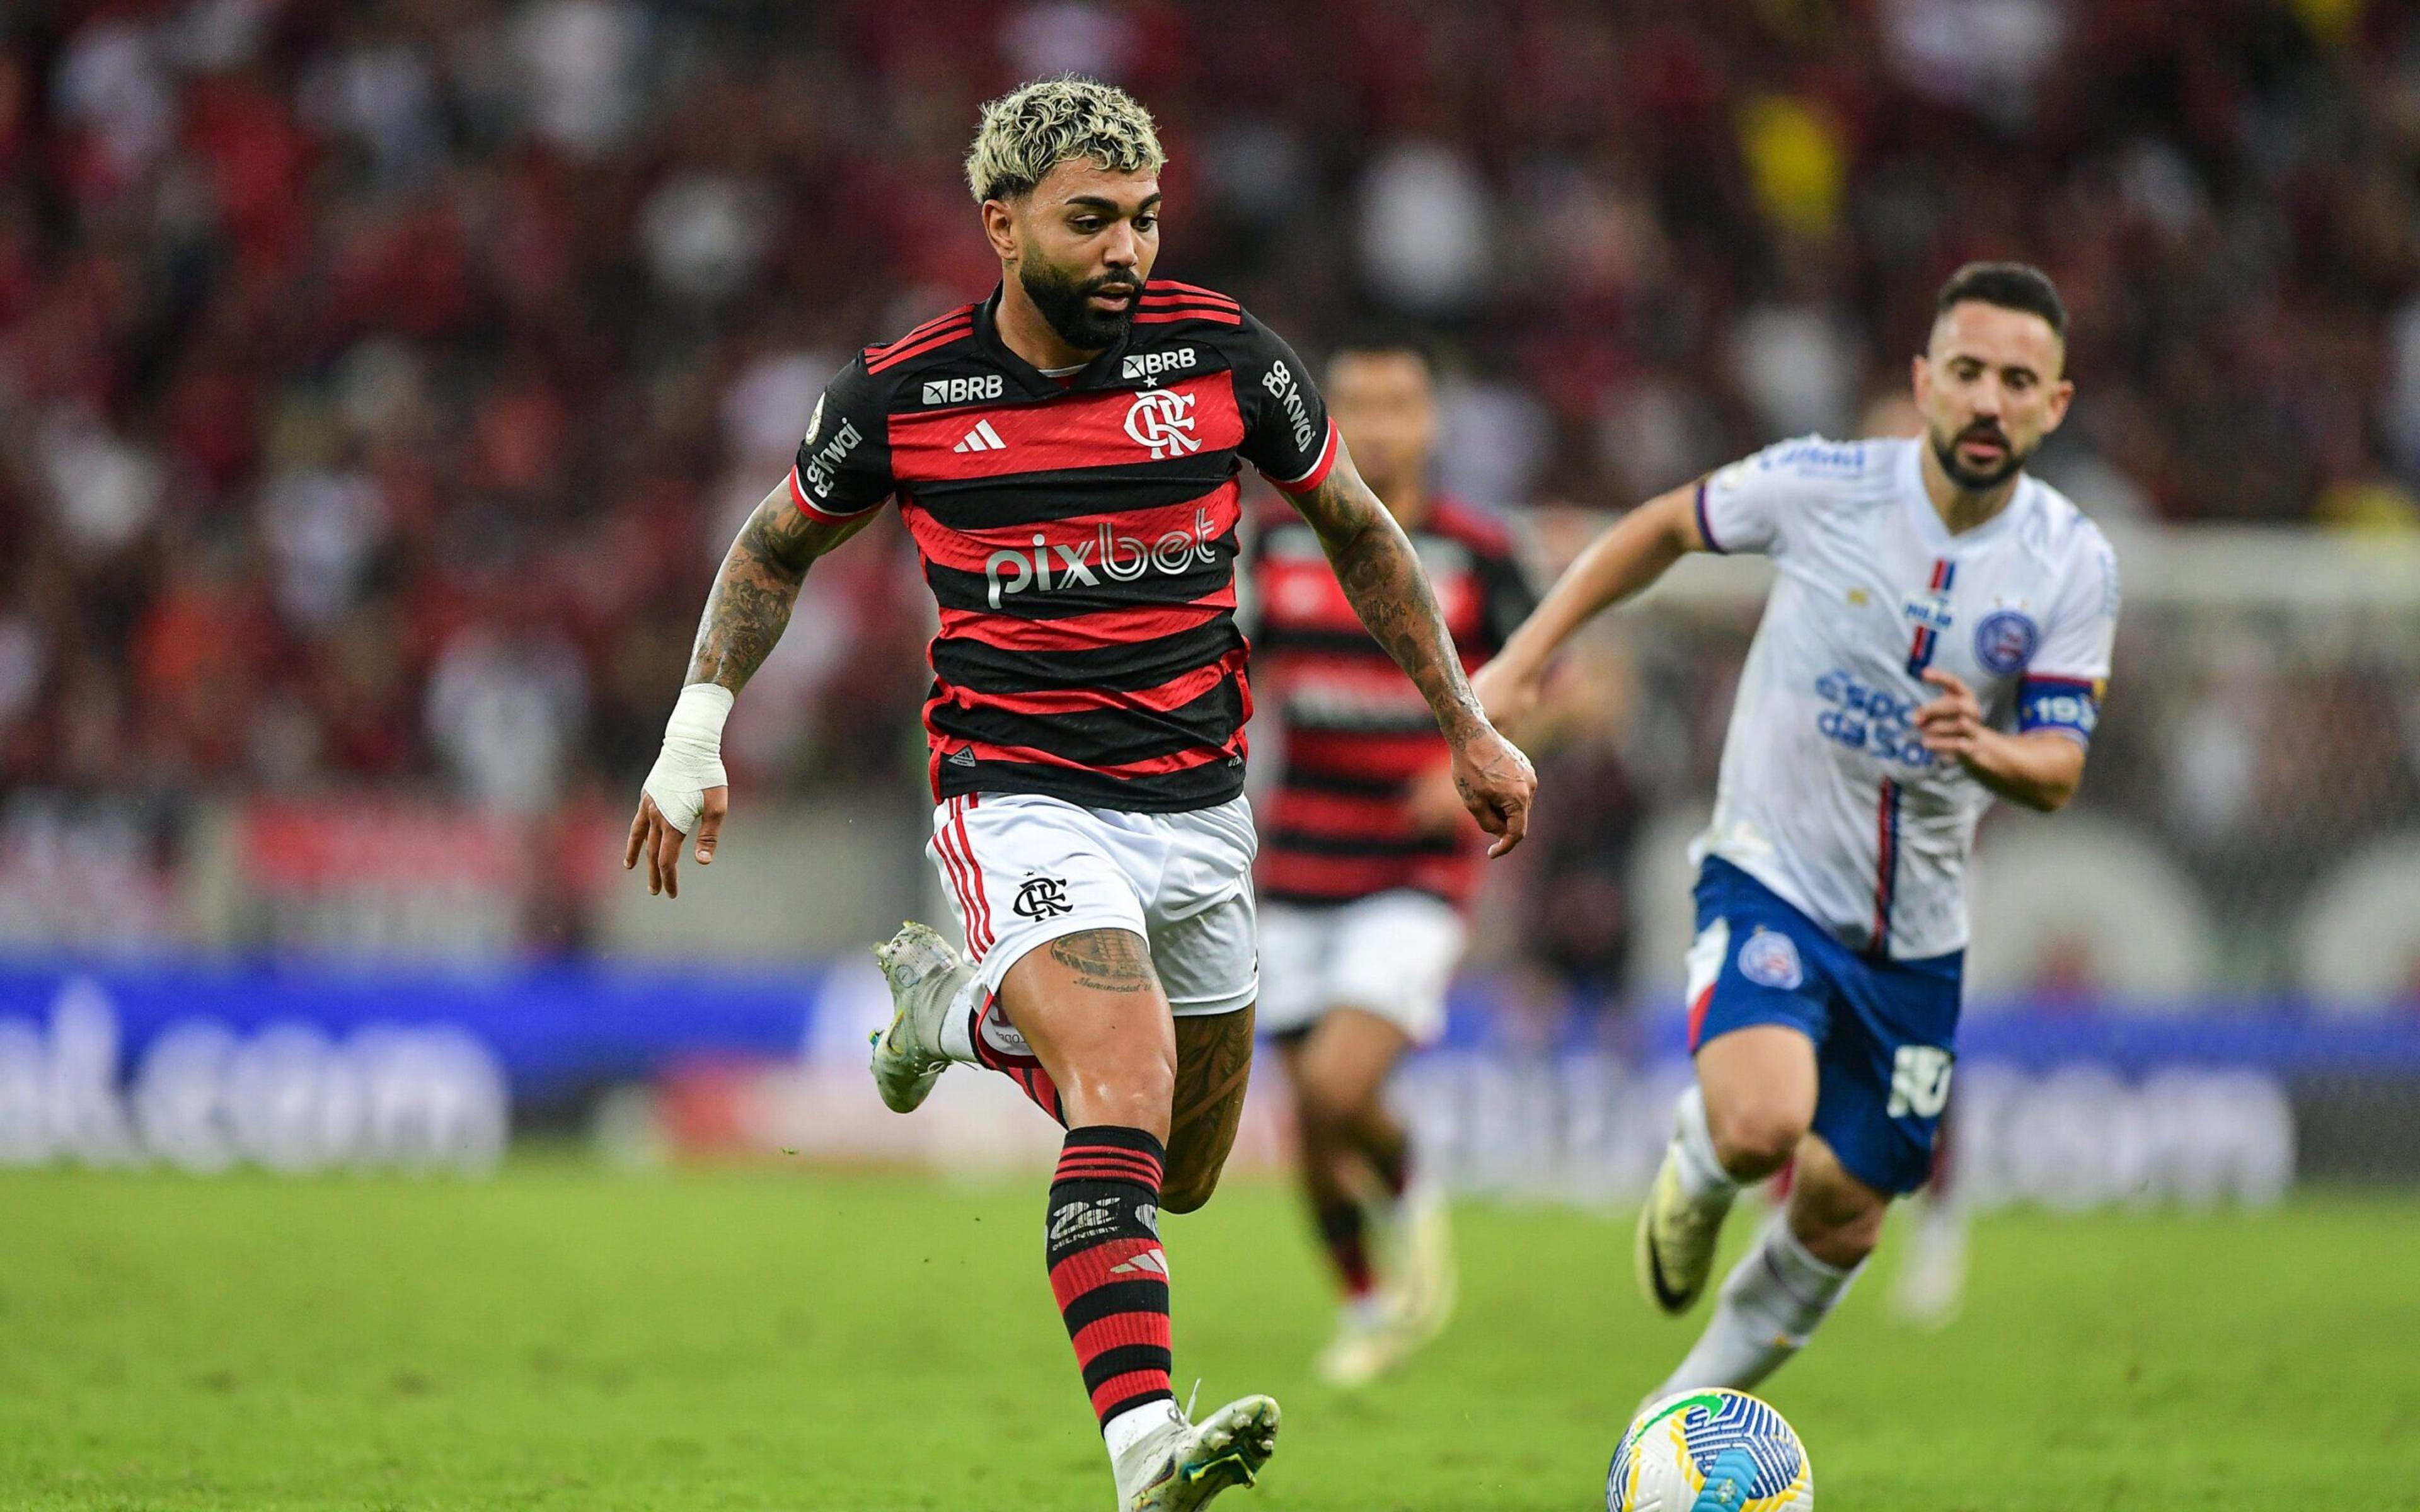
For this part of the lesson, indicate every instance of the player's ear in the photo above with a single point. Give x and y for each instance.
(2062, 394)
(999, 223)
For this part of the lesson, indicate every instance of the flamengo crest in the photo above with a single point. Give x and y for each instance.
(1162, 419)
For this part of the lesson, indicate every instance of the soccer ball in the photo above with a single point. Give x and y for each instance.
(1711, 1450)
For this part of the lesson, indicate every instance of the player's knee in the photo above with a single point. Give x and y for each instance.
(1134, 1091)
(1332, 1095)
(1840, 1235)
(1838, 1217)
(1755, 1138)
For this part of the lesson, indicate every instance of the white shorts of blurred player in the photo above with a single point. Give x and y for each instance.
(1390, 954)
(1022, 871)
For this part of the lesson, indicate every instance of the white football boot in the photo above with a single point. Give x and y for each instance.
(1419, 1235)
(1931, 1286)
(1369, 1341)
(1675, 1248)
(1182, 1465)
(1415, 1298)
(924, 972)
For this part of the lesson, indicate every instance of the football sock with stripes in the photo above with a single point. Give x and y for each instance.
(1109, 1274)
(1345, 1231)
(1389, 1151)
(1770, 1306)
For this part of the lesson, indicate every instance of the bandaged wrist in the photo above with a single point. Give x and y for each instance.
(692, 760)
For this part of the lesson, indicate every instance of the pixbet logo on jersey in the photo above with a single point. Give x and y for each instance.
(1048, 567)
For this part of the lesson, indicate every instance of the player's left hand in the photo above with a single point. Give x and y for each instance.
(1952, 724)
(1435, 804)
(1497, 784)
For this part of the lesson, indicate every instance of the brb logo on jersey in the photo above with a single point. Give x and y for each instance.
(962, 389)
(1162, 419)
(1148, 366)
(1046, 568)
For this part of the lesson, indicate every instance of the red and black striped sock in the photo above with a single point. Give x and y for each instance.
(1343, 1231)
(1107, 1268)
(1392, 1161)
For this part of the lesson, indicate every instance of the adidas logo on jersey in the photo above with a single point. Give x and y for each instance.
(1150, 1262)
(982, 438)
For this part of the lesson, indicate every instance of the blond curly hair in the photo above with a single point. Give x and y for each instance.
(1026, 133)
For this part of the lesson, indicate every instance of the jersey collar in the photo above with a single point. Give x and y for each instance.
(1100, 373)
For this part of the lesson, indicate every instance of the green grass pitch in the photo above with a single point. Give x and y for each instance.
(561, 1337)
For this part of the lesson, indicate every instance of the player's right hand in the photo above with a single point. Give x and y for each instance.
(656, 838)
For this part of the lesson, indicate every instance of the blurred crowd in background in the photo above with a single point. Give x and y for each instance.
(379, 381)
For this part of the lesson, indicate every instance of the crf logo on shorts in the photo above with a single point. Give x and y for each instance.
(1042, 898)
(1162, 419)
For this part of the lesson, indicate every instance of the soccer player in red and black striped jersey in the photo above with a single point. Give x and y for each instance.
(1366, 864)
(1067, 454)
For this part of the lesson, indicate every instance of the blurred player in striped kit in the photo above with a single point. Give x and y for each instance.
(1367, 861)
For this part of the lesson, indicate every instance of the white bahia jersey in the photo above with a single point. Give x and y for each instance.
(1827, 795)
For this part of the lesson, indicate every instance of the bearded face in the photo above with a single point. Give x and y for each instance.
(1990, 387)
(1088, 313)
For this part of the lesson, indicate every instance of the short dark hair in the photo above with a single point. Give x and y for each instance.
(2008, 285)
(1384, 341)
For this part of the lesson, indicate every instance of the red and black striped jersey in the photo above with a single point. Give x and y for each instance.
(1079, 535)
(1358, 735)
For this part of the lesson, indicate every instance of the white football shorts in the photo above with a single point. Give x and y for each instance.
(1390, 954)
(1023, 870)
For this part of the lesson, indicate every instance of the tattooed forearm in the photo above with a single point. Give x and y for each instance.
(754, 593)
(1381, 575)
(1107, 960)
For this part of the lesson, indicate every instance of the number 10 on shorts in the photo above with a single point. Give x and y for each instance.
(1919, 1081)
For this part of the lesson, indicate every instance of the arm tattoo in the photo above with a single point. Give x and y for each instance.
(1106, 959)
(1381, 575)
(752, 594)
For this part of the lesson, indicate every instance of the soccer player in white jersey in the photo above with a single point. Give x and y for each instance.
(1938, 637)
